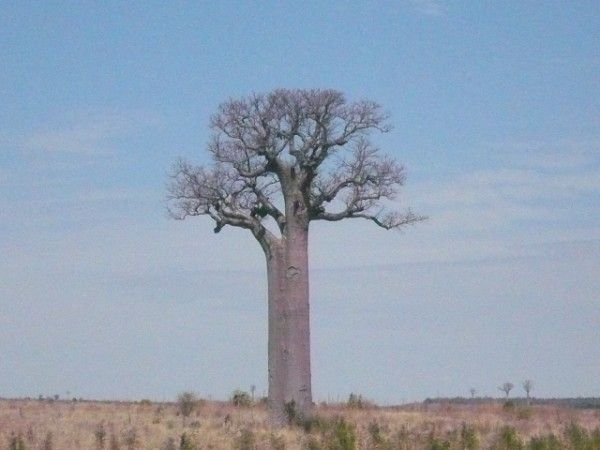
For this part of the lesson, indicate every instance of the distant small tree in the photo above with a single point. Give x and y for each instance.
(472, 391)
(187, 403)
(528, 387)
(506, 388)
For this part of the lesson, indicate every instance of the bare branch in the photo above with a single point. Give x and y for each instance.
(220, 194)
(388, 220)
(360, 184)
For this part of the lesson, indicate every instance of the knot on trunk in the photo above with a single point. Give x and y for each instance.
(292, 273)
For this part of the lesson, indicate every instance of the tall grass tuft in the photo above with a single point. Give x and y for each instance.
(48, 441)
(468, 437)
(343, 436)
(246, 441)
(17, 443)
(186, 443)
(549, 442)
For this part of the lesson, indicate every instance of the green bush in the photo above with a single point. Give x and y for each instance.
(241, 398)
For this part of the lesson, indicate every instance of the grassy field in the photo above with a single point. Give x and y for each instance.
(37, 424)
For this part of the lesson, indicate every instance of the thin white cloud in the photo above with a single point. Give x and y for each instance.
(529, 172)
(118, 195)
(90, 134)
(546, 154)
(427, 7)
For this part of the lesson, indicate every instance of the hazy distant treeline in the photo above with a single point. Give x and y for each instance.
(578, 402)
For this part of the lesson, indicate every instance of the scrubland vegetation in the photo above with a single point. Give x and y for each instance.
(191, 423)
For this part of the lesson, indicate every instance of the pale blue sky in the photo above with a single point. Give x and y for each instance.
(496, 114)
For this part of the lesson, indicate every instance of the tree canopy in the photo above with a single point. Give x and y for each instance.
(312, 139)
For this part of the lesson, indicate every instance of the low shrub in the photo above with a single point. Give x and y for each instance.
(357, 401)
(241, 398)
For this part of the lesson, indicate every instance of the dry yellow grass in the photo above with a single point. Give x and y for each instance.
(63, 425)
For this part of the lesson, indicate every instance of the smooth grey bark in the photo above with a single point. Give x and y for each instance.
(289, 312)
(289, 327)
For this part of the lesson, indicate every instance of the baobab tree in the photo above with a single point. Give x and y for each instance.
(528, 387)
(279, 161)
(506, 388)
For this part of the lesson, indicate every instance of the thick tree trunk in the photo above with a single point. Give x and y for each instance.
(289, 326)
